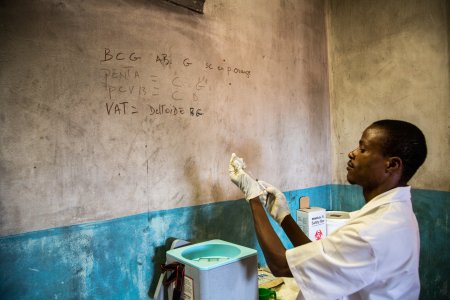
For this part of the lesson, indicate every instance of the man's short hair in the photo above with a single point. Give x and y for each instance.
(406, 141)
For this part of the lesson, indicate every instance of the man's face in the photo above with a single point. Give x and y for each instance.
(367, 165)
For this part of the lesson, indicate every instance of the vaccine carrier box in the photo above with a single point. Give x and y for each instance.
(217, 269)
(312, 220)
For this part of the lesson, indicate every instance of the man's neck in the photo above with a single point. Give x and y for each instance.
(369, 194)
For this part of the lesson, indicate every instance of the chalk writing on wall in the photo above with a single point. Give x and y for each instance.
(133, 86)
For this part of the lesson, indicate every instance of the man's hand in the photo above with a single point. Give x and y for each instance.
(239, 177)
(276, 203)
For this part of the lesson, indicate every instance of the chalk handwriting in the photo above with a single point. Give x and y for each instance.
(163, 109)
(172, 110)
(115, 92)
(125, 108)
(201, 83)
(229, 69)
(197, 112)
(163, 59)
(119, 56)
(121, 73)
(132, 86)
(117, 108)
(186, 62)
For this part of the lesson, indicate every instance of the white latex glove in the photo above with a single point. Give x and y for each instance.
(275, 203)
(249, 186)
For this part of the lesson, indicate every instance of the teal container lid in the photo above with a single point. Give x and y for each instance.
(210, 254)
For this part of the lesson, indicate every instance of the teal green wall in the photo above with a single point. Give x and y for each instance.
(119, 259)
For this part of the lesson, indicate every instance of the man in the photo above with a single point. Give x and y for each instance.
(375, 255)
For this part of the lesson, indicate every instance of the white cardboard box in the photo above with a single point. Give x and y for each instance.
(312, 221)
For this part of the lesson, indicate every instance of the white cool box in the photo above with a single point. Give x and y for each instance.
(217, 270)
(336, 219)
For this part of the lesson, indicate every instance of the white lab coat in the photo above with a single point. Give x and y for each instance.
(375, 255)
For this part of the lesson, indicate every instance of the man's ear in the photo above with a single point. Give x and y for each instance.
(394, 164)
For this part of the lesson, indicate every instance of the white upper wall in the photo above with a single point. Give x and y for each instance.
(80, 133)
(389, 60)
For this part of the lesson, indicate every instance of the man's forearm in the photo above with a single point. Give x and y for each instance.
(271, 245)
(293, 232)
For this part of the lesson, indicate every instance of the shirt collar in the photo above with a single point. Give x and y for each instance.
(398, 194)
